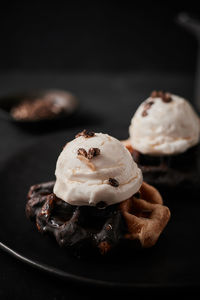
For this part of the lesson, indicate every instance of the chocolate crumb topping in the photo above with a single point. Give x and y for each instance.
(166, 97)
(113, 182)
(154, 94)
(82, 151)
(144, 113)
(93, 152)
(86, 134)
(90, 154)
(147, 106)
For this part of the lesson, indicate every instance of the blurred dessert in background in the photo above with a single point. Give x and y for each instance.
(47, 105)
(164, 137)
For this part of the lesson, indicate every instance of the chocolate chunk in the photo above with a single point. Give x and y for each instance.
(113, 182)
(144, 113)
(82, 151)
(85, 133)
(154, 94)
(147, 106)
(157, 94)
(79, 134)
(166, 97)
(93, 152)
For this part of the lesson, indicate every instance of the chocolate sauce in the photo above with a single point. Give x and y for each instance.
(101, 227)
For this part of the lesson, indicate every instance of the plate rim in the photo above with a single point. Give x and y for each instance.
(86, 280)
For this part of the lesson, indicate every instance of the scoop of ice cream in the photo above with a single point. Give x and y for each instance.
(164, 124)
(96, 169)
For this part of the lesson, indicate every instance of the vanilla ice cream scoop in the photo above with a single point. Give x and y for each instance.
(96, 168)
(164, 124)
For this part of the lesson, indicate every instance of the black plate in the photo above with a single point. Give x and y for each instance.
(173, 261)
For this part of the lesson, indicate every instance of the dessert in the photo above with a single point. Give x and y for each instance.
(47, 105)
(164, 137)
(98, 199)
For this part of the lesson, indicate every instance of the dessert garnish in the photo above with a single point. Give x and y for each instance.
(113, 182)
(147, 106)
(90, 154)
(82, 151)
(85, 156)
(166, 97)
(85, 133)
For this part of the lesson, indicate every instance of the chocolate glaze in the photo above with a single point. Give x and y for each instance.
(75, 227)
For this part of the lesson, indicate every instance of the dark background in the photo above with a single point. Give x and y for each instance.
(96, 36)
(111, 56)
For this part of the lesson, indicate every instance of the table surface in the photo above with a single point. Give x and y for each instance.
(107, 103)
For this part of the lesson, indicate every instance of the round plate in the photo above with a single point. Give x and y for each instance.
(173, 261)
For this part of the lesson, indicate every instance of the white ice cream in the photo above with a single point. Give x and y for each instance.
(168, 128)
(80, 183)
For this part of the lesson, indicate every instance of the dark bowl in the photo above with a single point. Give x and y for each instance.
(8, 102)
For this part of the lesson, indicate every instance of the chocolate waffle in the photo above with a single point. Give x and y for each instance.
(101, 228)
(168, 170)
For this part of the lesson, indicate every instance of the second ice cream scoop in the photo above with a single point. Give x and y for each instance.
(164, 124)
